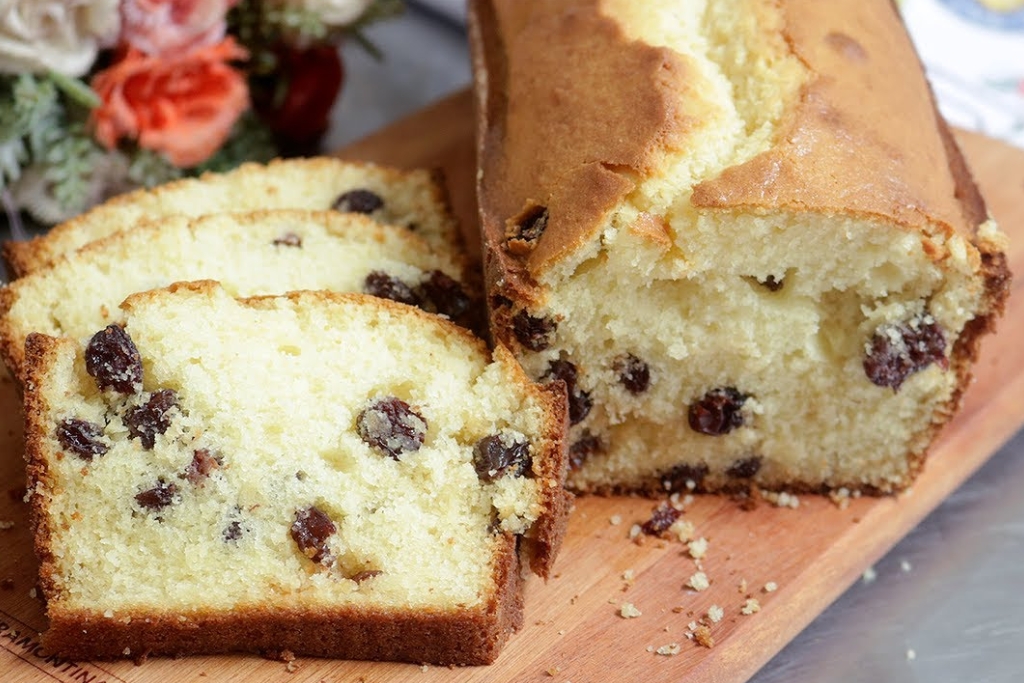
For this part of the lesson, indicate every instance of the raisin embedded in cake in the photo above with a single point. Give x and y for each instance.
(247, 254)
(358, 201)
(754, 241)
(392, 196)
(339, 475)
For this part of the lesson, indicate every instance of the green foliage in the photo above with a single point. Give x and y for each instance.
(44, 127)
(13, 156)
(298, 24)
(250, 140)
(69, 158)
(148, 168)
(262, 26)
(26, 123)
(32, 102)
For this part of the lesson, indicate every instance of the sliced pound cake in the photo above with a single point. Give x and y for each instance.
(268, 252)
(412, 199)
(331, 474)
(739, 231)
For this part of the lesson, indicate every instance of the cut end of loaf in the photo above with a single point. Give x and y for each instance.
(783, 274)
(285, 466)
(772, 350)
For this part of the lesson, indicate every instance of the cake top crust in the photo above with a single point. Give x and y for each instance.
(859, 140)
(410, 198)
(579, 106)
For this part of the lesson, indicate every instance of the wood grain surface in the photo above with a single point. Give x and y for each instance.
(573, 629)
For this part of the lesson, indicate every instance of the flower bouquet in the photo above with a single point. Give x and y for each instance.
(101, 96)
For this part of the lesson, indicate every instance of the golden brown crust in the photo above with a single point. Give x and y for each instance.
(572, 135)
(862, 140)
(836, 154)
(341, 226)
(461, 638)
(10, 353)
(123, 211)
(542, 543)
(547, 139)
(457, 637)
(40, 351)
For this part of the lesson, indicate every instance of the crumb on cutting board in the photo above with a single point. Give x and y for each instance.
(699, 581)
(629, 611)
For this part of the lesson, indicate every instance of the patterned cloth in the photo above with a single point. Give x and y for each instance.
(973, 51)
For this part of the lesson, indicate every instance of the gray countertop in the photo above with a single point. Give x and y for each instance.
(946, 605)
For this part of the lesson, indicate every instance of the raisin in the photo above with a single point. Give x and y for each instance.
(365, 575)
(7, 584)
(113, 360)
(680, 476)
(718, 412)
(771, 284)
(500, 301)
(310, 531)
(233, 531)
(898, 351)
(442, 294)
(533, 333)
(158, 497)
(745, 468)
(150, 419)
(580, 402)
(358, 201)
(663, 517)
(530, 226)
(494, 524)
(379, 283)
(498, 455)
(634, 374)
(202, 465)
(81, 438)
(391, 426)
(289, 239)
(583, 448)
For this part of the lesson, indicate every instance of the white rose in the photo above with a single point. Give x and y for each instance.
(55, 35)
(335, 12)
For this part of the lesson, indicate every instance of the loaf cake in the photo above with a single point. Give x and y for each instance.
(412, 199)
(739, 232)
(327, 474)
(268, 252)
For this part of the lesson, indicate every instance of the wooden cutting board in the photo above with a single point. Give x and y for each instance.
(573, 629)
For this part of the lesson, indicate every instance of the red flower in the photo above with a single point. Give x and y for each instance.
(183, 107)
(311, 79)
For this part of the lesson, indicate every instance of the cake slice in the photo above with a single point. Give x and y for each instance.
(330, 474)
(738, 230)
(413, 199)
(268, 252)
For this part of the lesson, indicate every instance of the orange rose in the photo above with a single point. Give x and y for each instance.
(183, 107)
